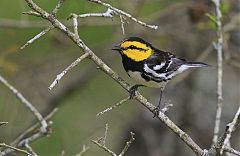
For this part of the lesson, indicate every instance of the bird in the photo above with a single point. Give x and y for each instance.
(149, 66)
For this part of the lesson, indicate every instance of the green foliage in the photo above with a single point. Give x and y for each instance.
(225, 7)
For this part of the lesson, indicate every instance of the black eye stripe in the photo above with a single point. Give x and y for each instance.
(134, 47)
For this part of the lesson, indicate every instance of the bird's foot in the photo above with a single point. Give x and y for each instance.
(156, 111)
(133, 90)
(165, 108)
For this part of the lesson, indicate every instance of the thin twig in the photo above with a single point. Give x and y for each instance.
(32, 128)
(31, 13)
(108, 13)
(38, 36)
(128, 144)
(105, 135)
(59, 76)
(58, 6)
(124, 14)
(104, 148)
(3, 123)
(114, 106)
(122, 24)
(75, 25)
(231, 150)
(84, 150)
(166, 107)
(231, 128)
(24, 101)
(124, 150)
(219, 47)
(15, 149)
(20, 141)
(30, 149)
(101, 142)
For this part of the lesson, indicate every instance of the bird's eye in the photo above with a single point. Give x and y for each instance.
(132, 47)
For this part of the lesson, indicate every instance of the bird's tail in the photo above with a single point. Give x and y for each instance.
(196, 64)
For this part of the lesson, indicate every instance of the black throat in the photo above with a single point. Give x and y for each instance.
(131, 65)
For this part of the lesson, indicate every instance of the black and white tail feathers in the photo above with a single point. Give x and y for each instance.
(196, 64)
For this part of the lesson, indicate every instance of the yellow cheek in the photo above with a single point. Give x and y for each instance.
(137, 55)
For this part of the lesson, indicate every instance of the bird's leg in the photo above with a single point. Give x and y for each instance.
(158, 108)
(133, 90)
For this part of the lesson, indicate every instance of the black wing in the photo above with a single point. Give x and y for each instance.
(161, 65)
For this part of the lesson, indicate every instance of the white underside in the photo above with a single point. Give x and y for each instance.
(137, 77)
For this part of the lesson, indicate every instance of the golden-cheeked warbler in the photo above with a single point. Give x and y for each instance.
(150, 66)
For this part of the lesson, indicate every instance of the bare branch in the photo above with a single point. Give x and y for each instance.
(104, 148)
(128, 144)
(108, 13)
(30, 149)
(219, 48)
(3, 123)
(166, 107)
(21, 142)
(38, 36)
(15, 149)
(231, 150)
(114, 106)
(120, 12)
(32, 13)
(58, 6)
(105, 135)
(59, 76)
(122, 24)
(75, 25)
(231, 128)
(101, 142)
(84, 150)
(24, 101)
(32, 128)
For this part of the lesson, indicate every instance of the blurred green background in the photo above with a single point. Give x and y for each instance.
(85, 90)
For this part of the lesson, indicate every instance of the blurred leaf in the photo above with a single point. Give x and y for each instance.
(225, 7)
(211, 17)
(207, 25)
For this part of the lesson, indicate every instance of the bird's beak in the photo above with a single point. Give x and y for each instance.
(117, 47)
